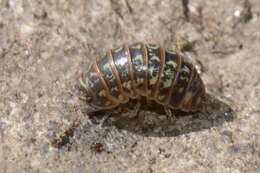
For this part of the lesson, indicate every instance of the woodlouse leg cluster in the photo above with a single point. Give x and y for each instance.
(170, 115)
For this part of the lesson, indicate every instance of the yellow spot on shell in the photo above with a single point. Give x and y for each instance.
(102, 93)
(127, 85)
(167, 83)
(153, 46)
(139, 57)
(172, 63)
(160, 97)
(137, 46)
(155, 58)
(186, 69)
(92, 74)
(140, 80)
(111, 78)
(90, 83)
(153, 80)
(114, 89)
(170, 51)
(121, 97)
(118, 49)
(184, 78)
(107, 66)
(108, 103)
(187, 97)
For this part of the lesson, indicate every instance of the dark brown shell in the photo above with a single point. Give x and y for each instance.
(143, 70)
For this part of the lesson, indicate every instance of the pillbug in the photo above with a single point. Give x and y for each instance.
(142, 70)
(135, 71)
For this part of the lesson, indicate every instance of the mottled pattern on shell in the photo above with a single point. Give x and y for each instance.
(143, 70)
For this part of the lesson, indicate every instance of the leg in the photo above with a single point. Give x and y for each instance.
(137, 108)
(170, 115)
(81, 88)
(82, 83)
(103, 120)
(140, 118)
(64, 138)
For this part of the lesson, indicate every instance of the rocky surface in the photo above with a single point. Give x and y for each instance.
(45, 46)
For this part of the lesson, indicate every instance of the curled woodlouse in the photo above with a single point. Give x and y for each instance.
(143, 70)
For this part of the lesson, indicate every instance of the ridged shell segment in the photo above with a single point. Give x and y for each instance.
(143, 70)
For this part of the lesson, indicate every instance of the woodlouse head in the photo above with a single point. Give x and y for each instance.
(90, 107)
(88, 97)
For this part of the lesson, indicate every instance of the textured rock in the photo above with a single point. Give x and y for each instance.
(45, 45)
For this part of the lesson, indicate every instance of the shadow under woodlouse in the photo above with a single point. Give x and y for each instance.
(152, 120)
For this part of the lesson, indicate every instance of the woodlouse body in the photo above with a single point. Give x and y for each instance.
(143, 70)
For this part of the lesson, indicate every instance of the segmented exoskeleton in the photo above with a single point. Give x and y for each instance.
(143, 70)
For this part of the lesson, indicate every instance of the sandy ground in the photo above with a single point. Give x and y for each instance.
(46, 45)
